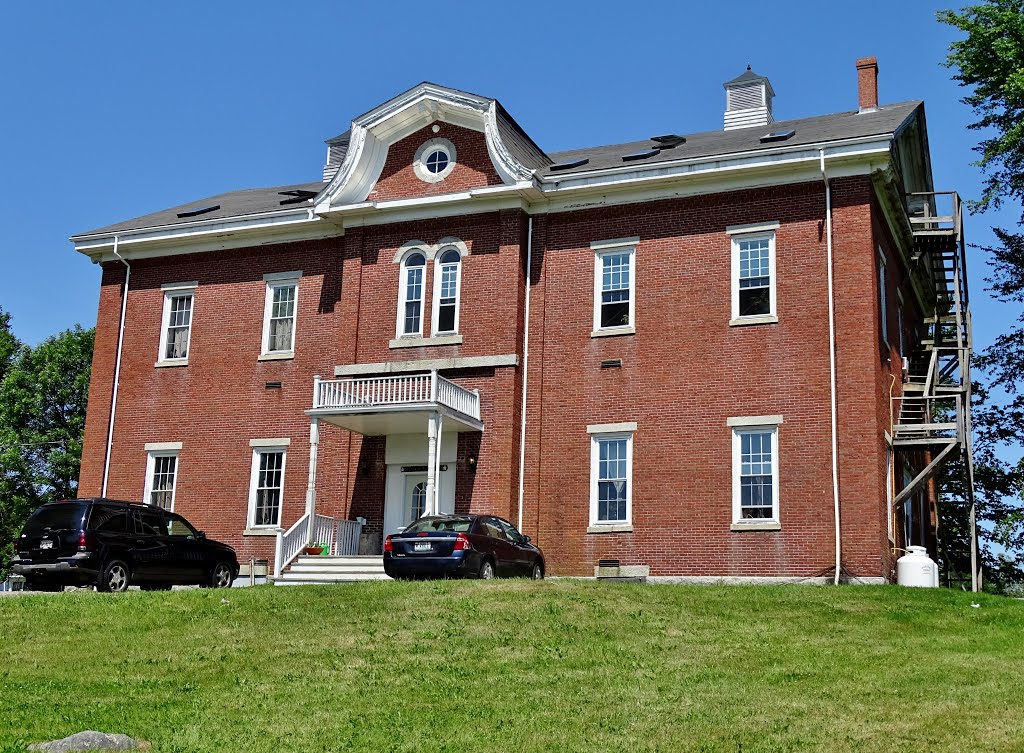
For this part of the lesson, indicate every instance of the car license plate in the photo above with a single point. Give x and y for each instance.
(46, 544)
(422, 546)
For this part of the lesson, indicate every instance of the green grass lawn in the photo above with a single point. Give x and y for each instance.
(518, 666)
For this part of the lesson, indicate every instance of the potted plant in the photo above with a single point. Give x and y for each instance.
(315, 549)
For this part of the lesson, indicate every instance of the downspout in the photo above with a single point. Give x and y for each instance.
(832, 365)
(526, 363)
(117, 368)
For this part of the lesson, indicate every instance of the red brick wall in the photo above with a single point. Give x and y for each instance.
(473, 167)
(684, 373)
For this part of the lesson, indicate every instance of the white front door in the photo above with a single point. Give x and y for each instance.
(415, 499)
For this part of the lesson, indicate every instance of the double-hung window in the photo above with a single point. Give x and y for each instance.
(267, 483)
(410, 306)
(176, 325)
(279, 313)
(447, 274)
(161, 473)
(611, 474)
(614, 286)
(753, 273)
(755, 470)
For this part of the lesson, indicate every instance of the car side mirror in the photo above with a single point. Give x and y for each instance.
(526, 539)
(200, 534)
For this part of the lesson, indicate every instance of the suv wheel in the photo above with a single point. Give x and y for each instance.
(115, 577)
(221, 576)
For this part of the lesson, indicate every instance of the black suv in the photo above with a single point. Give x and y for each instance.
(112, 544)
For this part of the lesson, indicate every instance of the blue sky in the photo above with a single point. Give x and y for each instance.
(117, 109)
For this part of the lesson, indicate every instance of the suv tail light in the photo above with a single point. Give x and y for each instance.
(462, 543)
(388, 546)
(84, 545)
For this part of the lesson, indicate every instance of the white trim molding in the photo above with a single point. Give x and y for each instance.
(753, 421)
(621, 438)
(273, 282)
(162, 446)
(618, 428)
(603, 250)
(756, 227)
(736, 242)
(746, 427)
(428, 147)
(172, 292)
(278, 442)
(427, 364)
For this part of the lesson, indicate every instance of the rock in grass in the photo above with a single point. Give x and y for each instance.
(90, 740)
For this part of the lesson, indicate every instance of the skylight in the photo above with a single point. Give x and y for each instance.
(777, 136)
(298, 196)
(640, 155)
(668, 141)
(569, 165)
(197, 212)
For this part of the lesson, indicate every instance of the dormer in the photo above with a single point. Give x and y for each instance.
(748, 101)
(415, 135)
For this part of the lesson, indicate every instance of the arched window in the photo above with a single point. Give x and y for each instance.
(410, 310)
(446, 292)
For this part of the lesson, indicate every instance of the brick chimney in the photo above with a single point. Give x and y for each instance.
(867, 84)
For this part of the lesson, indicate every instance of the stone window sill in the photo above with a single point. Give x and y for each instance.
(755, 527)
(744, 321)
(621, 528)
(613, 332)
(425, 342)
(175, 362)
(260, 532)
(281, 355)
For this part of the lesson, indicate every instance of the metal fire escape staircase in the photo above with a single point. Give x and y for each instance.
(933, 413)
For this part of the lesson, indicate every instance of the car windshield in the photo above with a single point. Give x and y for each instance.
(457, 525)
(61, 515)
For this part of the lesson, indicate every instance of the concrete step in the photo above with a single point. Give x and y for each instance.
(296, 579)
(360, 558)
(316, 567)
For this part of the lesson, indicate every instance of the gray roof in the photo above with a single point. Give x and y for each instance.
(232, 204)
(747, 75)
(822, 128)
(845, 125)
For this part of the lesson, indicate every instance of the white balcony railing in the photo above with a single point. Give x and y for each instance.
(412, 389)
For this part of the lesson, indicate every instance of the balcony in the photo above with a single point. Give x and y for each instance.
(375, 406)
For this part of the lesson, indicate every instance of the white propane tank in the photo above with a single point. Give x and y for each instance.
(916, 569)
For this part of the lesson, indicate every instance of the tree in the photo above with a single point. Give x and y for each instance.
(990, 63)
(43, 395)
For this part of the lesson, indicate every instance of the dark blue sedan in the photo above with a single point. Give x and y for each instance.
(462, 546)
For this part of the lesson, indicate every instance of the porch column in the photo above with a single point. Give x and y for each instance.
(433, 421)
(314, 446)
(436, 501)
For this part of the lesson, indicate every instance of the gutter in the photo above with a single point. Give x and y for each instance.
(117, 368)
(526, 364)
(832, 365)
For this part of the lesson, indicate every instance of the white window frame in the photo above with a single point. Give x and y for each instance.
(262, 447)
(610, 432)
(154, 451)
(614, 247)
(900, 323)
(171, 291)
(738, 234)
(435, 312)
(754, 425)
(274, 282)
(883, 302)
(403, 289)
(425, 150)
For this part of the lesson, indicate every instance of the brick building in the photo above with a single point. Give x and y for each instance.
(698, 356)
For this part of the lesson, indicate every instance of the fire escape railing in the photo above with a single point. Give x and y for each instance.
(934, 411)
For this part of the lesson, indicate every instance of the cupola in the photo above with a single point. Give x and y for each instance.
(748, 101)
